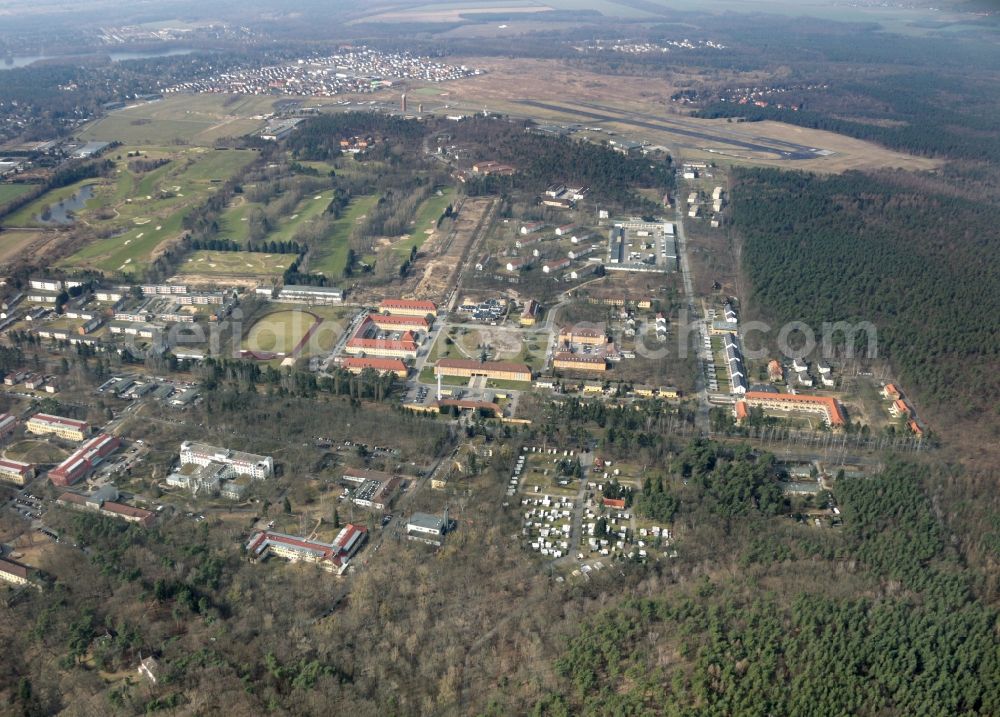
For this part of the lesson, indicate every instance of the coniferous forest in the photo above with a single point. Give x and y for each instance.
(922, 266)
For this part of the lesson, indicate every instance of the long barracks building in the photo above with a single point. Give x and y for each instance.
(84, 459)
(356, 365)
(498, 370)
(332, 557)
(408, 307)
(579, 362)
(826, 405)
(68, 428)
(400, 322)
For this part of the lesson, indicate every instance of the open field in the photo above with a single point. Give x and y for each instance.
(14, 243)
(187, 119)
(35, 451)
(279, 332)
(235, 263)
(10, 192)
(639, 110)
(331, 258)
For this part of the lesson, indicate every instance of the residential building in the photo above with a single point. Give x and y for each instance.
(498, 370)
(44, 424)
(774, 371)
(530, 313)
(555, 265)
(333, 557)
(55, 285)
(891, 392)
(579, 362)
(163, 289)
(84, 459)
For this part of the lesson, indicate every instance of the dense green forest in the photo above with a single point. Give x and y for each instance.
(907, 638)
(922, 266)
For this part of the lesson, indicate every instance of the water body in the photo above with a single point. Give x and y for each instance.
(61, 213)
(10, 63)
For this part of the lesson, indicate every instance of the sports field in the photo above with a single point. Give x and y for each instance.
(331, 256)
(280, 332)
(235, 263)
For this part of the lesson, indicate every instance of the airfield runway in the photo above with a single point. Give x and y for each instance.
(780, 148)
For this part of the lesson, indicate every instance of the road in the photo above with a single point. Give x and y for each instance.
(702, 416)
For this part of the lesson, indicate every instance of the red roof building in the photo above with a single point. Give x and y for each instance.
(408, 307)
(332, 557)
(356, 365)
(502, 370)
(826, 405)
(84, 459)
(396, 322)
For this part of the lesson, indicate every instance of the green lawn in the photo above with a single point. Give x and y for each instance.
(510, 385)
(426, 220)
(307, 210)
(331, 258)
(10, 192)
(235, 222)
(235, 263)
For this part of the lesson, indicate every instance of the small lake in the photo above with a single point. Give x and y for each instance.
(11, 63)
(61, 213)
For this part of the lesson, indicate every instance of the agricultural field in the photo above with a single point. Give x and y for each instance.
(235, 263)
(331, 258)
(280, 332)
